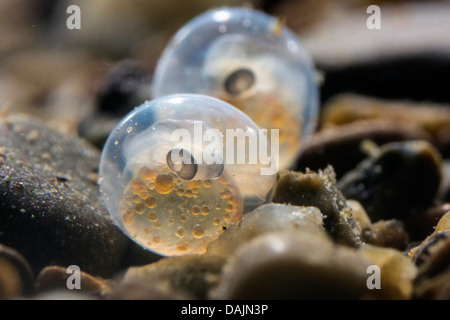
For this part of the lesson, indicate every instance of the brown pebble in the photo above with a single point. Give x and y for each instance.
(397, 273)
(341, 146)
(140, 291)
(10, 283)
(436, 288)
(190, 275)
(444, 223)
(53, 278)
(433, 255)
(422, 254)
(319, 190)
(432, 118)
(288, 265)
(386, 233)
(432, 258)
(16, 276)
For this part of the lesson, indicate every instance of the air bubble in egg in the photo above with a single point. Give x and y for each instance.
(250, 60)
(161, 191)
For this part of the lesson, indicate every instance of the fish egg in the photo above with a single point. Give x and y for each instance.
(250, 60)
(166, 187)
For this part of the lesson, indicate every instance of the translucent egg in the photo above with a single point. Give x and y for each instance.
(177, 171)
(250, 60)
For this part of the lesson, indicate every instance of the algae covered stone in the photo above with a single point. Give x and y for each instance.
(320, 190)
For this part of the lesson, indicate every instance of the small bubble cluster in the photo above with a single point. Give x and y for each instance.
(152, 207)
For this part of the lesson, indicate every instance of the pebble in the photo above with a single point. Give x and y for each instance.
(422, 254)
(386, 233)
(59, 295)
(438, 260)
(287, 265)
(54, 278)
(125, 86)
(396, 270)
(189, 276)
(444, 222)
(10, 283)
(142, 291)
(423, 118)
(330, 144)
(19, 270)
(432, 258)
(398, 180)
(16, 276)
(319, 190)
(267, 218)
(48, 190)
(436, 288)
